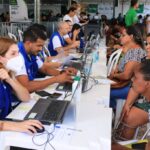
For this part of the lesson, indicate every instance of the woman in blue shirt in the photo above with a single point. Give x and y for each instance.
(10, 57)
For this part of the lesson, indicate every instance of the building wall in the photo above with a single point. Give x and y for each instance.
(105, 7)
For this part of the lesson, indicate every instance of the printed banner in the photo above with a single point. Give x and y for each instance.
(18, 11)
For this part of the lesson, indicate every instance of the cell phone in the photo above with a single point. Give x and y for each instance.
(139, 146)
(55, 95)
(43, 93)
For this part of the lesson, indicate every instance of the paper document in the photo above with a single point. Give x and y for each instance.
(106, 81)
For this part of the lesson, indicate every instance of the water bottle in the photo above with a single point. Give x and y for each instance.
(82, 44)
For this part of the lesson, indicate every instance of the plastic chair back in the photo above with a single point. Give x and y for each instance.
(12, 36)
(20, 33)
(113, 60)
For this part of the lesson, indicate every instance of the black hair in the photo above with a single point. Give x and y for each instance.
(137, 35)
(144, 69)
(67, 20)
(148, 35)
(40, 26)
(76, 27)
(133, 2)
(73, 3)
(71, 9)
(32, 34)
(37, 27)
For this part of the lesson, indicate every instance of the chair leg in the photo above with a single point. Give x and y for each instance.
(120, 103)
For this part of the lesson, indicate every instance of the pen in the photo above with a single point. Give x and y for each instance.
(73, 129)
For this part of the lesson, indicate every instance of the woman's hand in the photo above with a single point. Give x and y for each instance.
(4, 75)
(27, 126)
(126, 109)
(76, 32)
(111, 76)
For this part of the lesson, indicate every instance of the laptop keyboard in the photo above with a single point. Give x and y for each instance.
(54, 109)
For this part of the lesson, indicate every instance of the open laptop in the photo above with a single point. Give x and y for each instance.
(87, 72)
(48, 110)
(80, 66)
(51, 110)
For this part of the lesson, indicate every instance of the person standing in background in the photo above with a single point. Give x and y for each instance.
(131, 15)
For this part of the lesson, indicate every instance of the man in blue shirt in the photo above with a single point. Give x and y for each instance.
(57, 43)
(33, 42)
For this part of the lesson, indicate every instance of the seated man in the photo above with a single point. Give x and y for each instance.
(57, 43)
(32, 44)
(44, 54)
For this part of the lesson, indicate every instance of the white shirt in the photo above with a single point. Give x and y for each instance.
(66, 36)
(23, 69)
(56, 42)
(67, 17)
(76, 19)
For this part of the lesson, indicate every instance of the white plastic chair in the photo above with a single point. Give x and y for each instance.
(12, 36)
(113, 60)
(119, 107)
(46, 50)
(20, 33)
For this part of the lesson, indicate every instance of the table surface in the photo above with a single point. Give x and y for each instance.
(88, 129)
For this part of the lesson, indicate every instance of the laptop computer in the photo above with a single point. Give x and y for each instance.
(86, 77)
(80, 66)
(48, 111)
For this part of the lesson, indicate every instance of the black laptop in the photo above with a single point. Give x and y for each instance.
(48, 111)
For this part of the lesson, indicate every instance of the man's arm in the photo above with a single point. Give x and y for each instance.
(58, 46)
(33, 86)
(49, 71)
(68, 47)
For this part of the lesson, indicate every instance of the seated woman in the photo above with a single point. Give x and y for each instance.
(72, 36)
(133, 113)
(9, 85)
(133, 52)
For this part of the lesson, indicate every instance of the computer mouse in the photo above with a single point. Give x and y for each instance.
(39, 130)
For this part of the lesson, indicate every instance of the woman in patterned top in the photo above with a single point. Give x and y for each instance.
(133, 52)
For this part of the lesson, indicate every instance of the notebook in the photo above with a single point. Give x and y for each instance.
(48, 111)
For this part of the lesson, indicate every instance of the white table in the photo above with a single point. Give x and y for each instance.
(95, 132)
(91, 130)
